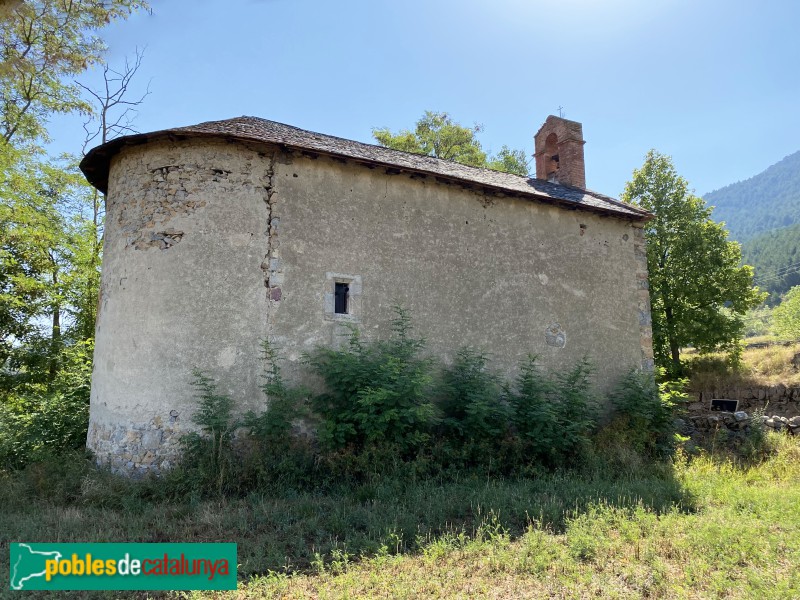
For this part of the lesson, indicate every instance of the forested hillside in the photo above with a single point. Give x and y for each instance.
(770, 200)
(775, 255)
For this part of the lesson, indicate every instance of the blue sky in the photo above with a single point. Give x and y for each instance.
(715, 84)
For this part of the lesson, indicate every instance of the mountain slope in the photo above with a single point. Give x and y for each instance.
(767, 201)
(775, 255)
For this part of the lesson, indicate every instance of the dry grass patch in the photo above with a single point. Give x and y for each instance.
(759, 367)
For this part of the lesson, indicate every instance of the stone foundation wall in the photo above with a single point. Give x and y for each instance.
(136, 448)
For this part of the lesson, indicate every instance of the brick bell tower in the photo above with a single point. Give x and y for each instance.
(559, 152)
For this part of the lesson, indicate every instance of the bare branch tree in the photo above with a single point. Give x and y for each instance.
(114, 111)
(112, 115)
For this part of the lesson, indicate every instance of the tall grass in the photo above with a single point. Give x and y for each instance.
(740, 539)
(703, 527)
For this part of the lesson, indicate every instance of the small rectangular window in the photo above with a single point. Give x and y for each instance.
(341, 296)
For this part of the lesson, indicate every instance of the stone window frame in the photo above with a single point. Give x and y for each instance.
(354, 307)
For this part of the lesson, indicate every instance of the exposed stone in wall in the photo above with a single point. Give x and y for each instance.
(137, 448)
(555, 336)
(143, 220)
(643, 299)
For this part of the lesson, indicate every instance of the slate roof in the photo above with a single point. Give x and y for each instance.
(96, 163)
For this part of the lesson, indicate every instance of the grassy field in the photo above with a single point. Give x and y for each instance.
(705, 527)
(735, 534)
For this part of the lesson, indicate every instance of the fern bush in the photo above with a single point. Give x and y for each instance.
(643, 414)
(387, 410)
(285, 404)
(576, 413)
(534, 416)
(377, 393)
(276, 456)
(470, 399)
(552, 415)
(208, 463)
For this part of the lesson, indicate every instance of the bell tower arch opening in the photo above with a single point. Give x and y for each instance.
(551, 157)
(559, 152)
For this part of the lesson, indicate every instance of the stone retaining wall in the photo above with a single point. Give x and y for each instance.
(778, 399)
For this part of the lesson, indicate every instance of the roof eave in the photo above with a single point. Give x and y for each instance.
(97, 162)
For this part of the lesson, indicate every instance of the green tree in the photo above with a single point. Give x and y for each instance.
(42, 240)
(786, 316)
(509, 161)
(436, 134)
(50, 223)
(699, 293)
(44, 45)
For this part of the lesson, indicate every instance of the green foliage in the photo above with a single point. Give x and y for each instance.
(436, 134)
(643, 413)
(706, 527)
(377, 393)
(786, 316)
(470, 400)
(208, 462)
(698, 290)
(776, 193)
(758, 322)
(285, 404)
(50, 228)
(276, 455)
(553, 415)
(40, 420)
(509, 161)
(46, 43)
(577, 408)
(48, 290)
(534, 415)
(474, 416)
(382, 414)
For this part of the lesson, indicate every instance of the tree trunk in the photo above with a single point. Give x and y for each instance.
(674, 349)
(55, 334)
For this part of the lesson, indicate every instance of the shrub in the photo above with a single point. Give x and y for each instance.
(471, 403)
(42, 419)
(577, 411)
(786, 316)
(276, 456)
(208, 463)
(534, 415)
(34, 428)
(554, 415)
(273, 427)
(644, 412)
(377, 413)
(376, 392)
